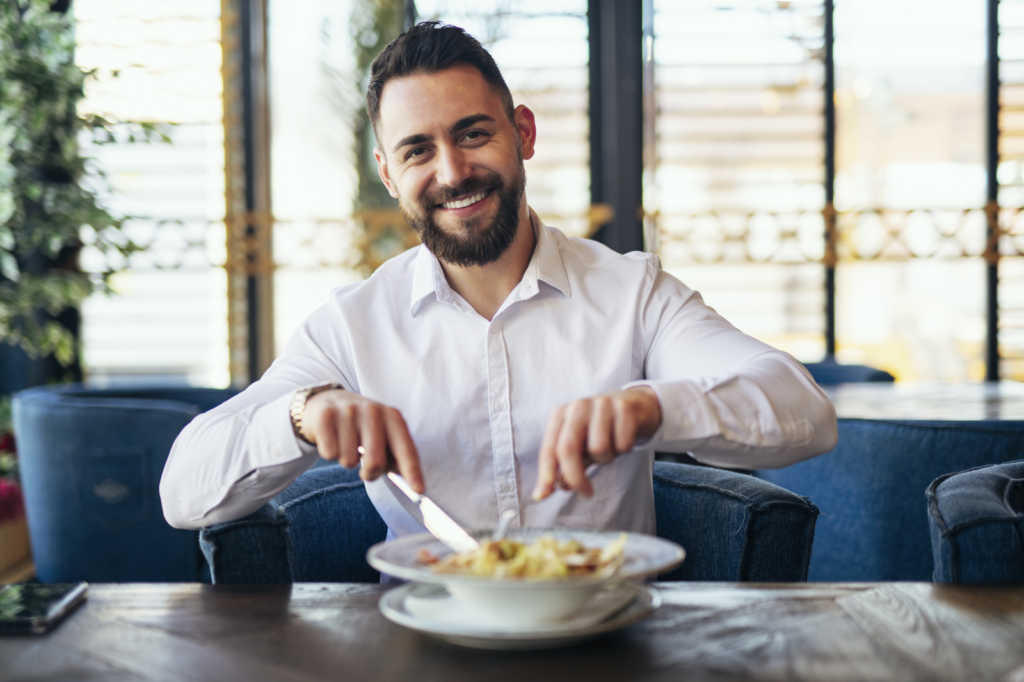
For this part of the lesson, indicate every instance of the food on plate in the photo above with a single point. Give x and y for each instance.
(545, 557)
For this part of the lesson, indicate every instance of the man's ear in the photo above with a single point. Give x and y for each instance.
(526, 126)
(382, 171)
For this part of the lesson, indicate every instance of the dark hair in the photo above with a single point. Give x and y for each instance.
(431, 46)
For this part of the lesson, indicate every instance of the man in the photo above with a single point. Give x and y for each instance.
(500, 365)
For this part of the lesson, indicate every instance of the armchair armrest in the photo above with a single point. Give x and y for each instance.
(316, 530)
(254, 550)
(733, 526)
(976, 523)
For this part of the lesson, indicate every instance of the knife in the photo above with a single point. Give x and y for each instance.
(433, 518)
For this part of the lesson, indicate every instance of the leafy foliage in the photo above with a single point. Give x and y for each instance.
(8, 456)
(47, 186)
(373, 25)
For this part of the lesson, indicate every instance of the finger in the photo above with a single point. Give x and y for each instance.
(373, 438)
(325, 433)
(403, 450)
(348, 435)
(625, 425)
(600, 445)
(547, 463)
(571, 447)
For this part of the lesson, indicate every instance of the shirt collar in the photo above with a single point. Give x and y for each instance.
(546, 263)
(427, 279)
(545, 266)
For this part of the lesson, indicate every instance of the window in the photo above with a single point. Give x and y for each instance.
(168, 319)
(734, 177)
(738, 184)
(910, 187)
(333, 221)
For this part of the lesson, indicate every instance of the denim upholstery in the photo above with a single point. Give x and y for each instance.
(871, 486)
(90, 463)
(305, 534)
(976, 518)
(829, 373)
(732, 525)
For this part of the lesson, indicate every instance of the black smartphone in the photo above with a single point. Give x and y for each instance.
(34, 608)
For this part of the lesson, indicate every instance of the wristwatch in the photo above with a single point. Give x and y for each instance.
(298, 407)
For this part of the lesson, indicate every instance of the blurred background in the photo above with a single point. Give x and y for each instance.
(842, 179)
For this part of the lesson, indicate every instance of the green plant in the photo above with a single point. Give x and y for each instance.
(372, 26)
(49, 201)
(8, 456)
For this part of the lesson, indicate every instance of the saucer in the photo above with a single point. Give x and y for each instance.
(429, 609)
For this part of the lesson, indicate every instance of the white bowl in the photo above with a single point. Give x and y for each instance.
(519, 601)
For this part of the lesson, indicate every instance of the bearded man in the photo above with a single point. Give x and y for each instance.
(500, 366)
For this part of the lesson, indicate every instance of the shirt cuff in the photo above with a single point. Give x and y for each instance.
(271, 458)
(685, 414)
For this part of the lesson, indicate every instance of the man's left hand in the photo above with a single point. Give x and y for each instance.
(595, 429)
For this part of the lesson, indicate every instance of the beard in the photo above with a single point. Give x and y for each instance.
(474, 243)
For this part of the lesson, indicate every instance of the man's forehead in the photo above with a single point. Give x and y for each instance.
(424, 100)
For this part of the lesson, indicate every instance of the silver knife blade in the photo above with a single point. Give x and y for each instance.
(433, 518)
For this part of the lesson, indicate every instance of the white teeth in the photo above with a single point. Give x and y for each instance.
(468, 201)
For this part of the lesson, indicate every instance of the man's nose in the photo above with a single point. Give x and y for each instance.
(452, 167)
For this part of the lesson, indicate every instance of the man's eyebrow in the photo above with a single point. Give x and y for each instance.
(457, 127)
(418, 138)
(468, 122)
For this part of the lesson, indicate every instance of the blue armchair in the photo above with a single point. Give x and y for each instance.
(90, 463)
(976, 519)
(733, 526)
(870, 489)
(830, 373)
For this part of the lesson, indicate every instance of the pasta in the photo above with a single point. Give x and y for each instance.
(545, 558)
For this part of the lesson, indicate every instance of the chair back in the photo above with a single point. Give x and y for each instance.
(733, 526)
(829, 373)
(870, 489)
(90, 461)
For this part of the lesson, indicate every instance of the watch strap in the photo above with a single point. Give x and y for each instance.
(297, 407)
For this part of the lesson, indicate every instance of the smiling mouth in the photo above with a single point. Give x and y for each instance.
(467, 201)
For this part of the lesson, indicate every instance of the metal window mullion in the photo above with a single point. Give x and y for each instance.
(830, 215)
(248, 215)
(616, 119)
(234, 194)
(992, 192)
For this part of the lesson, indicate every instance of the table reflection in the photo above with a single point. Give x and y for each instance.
(981, 401)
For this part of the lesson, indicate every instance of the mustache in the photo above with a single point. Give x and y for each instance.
(463, 189)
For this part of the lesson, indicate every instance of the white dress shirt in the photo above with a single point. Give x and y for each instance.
(476, 394)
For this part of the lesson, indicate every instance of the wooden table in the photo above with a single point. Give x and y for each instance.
(702, 631)
(997, 401)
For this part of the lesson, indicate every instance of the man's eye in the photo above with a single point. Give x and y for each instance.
(414, 153)
(475, 135)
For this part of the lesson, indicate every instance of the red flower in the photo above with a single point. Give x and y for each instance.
(12, 505)
(7, 442)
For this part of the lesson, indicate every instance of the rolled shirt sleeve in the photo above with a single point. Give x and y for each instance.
(229, 461)
(726, 398)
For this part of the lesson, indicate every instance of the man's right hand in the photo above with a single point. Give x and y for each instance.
(357, 431)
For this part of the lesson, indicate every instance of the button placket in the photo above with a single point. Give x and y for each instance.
(499, 414)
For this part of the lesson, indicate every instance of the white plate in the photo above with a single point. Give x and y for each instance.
(429, 609)
(525, 602)
(643, 556)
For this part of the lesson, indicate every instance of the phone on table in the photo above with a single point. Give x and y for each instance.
(35, 608)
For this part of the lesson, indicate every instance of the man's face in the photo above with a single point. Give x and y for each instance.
(453, 159)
